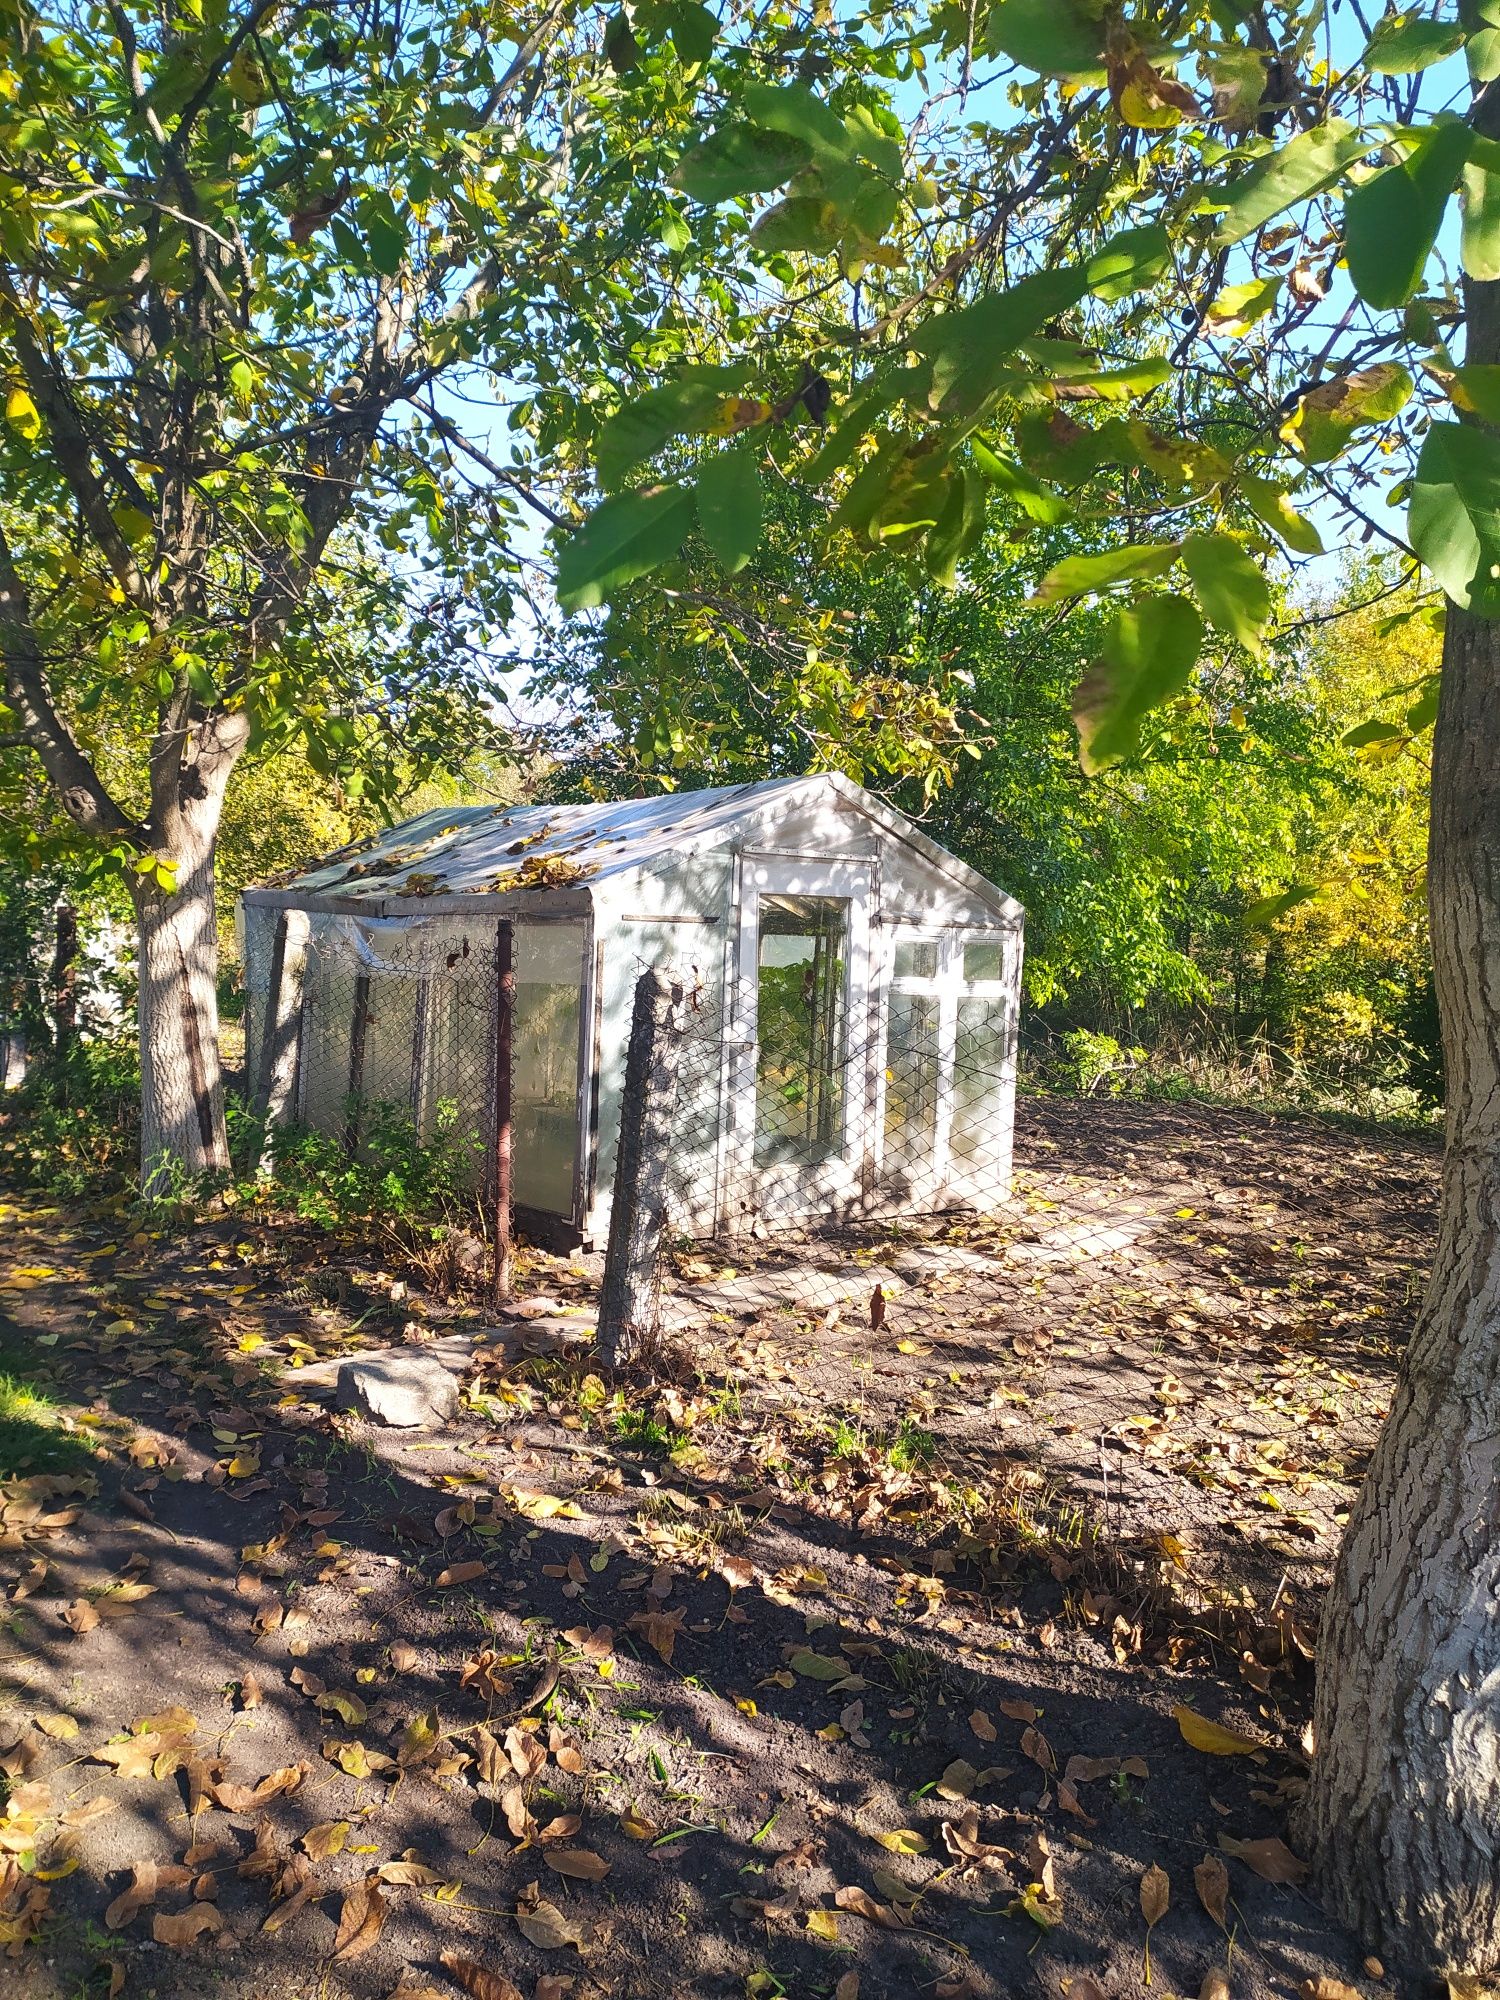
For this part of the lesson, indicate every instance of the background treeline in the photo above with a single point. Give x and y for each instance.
(1240, 911)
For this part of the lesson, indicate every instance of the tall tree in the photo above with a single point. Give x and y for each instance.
(1098, 204)
(243, 244)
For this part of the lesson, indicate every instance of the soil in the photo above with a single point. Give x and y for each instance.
(830, 1570)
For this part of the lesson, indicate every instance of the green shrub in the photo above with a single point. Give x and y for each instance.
(393, 1177)
(73, 1128)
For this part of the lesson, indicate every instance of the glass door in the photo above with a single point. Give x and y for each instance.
(801, 1122)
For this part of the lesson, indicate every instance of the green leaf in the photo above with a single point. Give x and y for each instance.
(854, 422)
(1036, 501)
(1391, 221)
(817, 1666)
(1423, 711)
(384, 233)
(1477, 388)
(694, 31)
(739, 159)
(971, 349)
(1454, 518)
(624, 537)
(1327, 417)
(1275, 508)
(1148, 655)
(957, 530)
(1053, 37)
(797, 113)
(1231, 590)
(1130, 262)
(640, 428)
(1237, 307)
(1138, 379)
(1363, 734)
(1269, 908)
(801, 222)
(1483, 53)
(1075, 576)
(1479, 242)
(1300, 169)
(1404, 43)
(730, 506)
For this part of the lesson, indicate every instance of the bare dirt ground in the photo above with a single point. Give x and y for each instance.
(826, 1657)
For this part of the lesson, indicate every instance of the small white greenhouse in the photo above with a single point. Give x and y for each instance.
(849, 1000)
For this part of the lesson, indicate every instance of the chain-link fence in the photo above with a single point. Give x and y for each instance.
(808, 1164)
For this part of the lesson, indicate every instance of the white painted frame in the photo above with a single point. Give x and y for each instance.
(948, 986)
(837, 1182)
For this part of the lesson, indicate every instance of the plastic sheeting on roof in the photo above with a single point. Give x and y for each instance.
(475, 849)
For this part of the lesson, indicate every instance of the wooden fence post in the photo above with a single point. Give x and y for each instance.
(629, 1298)
(279, 1037)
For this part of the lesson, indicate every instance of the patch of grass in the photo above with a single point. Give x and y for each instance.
(847, 1439)
(911, 1448)
(32, 1436)
(638, 1431)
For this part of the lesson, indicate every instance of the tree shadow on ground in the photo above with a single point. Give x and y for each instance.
(841, 1668)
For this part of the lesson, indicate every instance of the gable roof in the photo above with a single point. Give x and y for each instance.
(478, 850)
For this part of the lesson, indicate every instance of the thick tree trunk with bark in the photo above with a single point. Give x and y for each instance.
(182, 1085)
(1403, 1812)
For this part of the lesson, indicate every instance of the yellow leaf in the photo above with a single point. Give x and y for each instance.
(906, 1840)
(1213, 1736)
(824, 1924)
(22, 415)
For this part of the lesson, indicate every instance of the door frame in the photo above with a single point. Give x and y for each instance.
(839, 1182)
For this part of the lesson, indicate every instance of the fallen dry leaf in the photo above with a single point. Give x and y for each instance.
(187, 1928)
(1271, 1859)
(527, 1755)
(1035, 1746)
(543, 1922)
(1211, 1879)
(982, 1727)
(477, 1979)
(1324, 1987)
(1215, 1984)
(576, 1862)
(456, 1573)
(1213, 1736)
(1156, 1894)
(863, 1904)
(361, 1920)
(148, 1879)
(319, 1842)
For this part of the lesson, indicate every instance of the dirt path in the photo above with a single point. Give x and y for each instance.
(763, 1678)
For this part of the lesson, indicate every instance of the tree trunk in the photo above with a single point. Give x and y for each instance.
(1404, 1806)
(182, 1086)
(64, 982)
(1403, 1810)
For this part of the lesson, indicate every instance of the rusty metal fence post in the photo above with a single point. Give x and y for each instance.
(629, 1298)
(505, 1014)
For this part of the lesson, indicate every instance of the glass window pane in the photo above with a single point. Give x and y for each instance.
(917, 960)
(544, 1064)
(911, 1088)
(802, 1005)
(978, 1061)
(983, 961)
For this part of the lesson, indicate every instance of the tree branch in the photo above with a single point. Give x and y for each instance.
(72, 448)
(79, 786)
